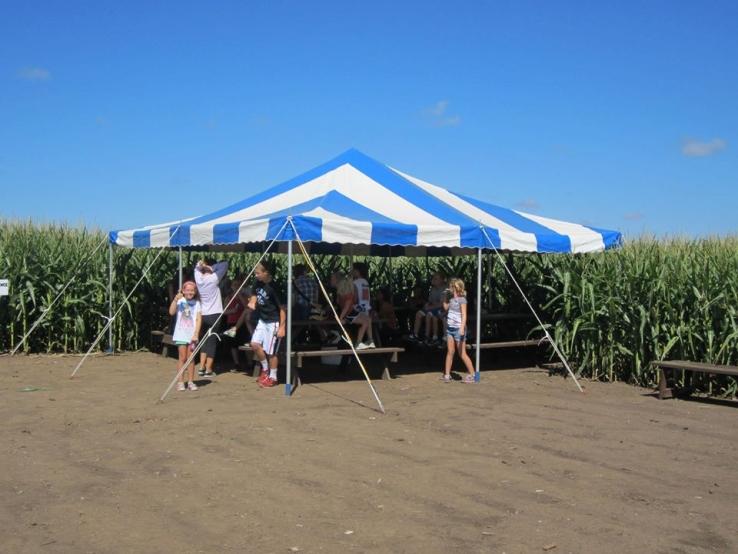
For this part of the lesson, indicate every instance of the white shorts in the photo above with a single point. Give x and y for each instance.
(265, 334)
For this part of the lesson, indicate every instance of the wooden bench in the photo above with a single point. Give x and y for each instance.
(696, 367)
(163, 340)
(389, 353)
(506, 344)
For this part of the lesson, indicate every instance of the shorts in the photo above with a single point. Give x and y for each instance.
(265, 334)
(181, 342)
(454, 333)
(435, 312)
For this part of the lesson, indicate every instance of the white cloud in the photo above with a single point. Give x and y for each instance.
(440, 118)
(528, 204)
(695, 149)
(34, 74)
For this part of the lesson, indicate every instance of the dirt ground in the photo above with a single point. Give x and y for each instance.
(521, 462)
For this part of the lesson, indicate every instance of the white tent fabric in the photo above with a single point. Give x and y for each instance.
(355, 200)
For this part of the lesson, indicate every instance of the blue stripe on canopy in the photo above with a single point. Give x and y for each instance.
(548, 240)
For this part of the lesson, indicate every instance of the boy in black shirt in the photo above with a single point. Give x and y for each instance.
(270, 329)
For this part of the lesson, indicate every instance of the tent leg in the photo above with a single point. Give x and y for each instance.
(111, 348)
(179, 265)
(288, 380)
(479, 312)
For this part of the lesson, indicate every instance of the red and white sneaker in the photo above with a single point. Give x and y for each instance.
(267, 382)
(262, 375)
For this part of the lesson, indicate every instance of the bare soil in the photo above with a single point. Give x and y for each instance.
(521, 462)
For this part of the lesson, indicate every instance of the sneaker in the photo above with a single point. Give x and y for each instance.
(262, 375)
(181, 386)
(446, 378)
(230, 332)
(191, 386)
(267, 382)
(209, 374)
(412, 338)
(371, 344)
(469, 379)
(201, 372)
(362, 346)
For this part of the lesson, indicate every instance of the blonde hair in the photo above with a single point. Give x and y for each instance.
(457, 286)
(344, 285)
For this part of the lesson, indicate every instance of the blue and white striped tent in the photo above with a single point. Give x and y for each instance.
(356, 204)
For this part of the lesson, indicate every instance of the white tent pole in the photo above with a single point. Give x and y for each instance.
(479, 311)
(58, 296)
(111, 348)
(179, 264)
(288, 380)
(548, 335)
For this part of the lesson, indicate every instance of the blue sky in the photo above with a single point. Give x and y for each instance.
(121, 114)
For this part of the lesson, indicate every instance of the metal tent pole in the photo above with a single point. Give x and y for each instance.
(111, 347)
(179, 265)
(288, 380)
(479, 311)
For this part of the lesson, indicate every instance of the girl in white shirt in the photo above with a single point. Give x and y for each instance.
(456, 329)
(187, 308)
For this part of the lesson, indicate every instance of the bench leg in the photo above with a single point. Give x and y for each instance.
(664, 391)
(386, 376)
(164, 351)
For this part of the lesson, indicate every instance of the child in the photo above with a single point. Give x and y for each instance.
(456, 306)
(187, 308)
(432, 313)
(385, 316)
(359, 314)
(270, 327)
(208, 276)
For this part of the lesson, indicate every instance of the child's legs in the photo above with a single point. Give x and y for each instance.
(182, 354)
(450, 345)
(362, 321)
(428, 318)
(419, 315)
(465, 357)
(435, 326)
(190, 371)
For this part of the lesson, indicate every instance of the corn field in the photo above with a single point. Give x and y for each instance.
(611, 313)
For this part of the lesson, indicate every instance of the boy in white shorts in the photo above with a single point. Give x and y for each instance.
(270, 328)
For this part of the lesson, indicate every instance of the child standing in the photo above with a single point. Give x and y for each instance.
(186, 307)
(270, 328)
(456, 306)
(361, 314)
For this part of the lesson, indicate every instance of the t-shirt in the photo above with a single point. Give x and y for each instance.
(454, 311)
(207, 286)
(361, 290)
(184, 329)
(267, 302)
(436, 296)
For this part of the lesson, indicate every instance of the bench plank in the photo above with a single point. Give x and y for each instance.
(684, 365)
(698, 367)
(505, 344)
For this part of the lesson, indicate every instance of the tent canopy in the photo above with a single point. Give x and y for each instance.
(355, 201)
